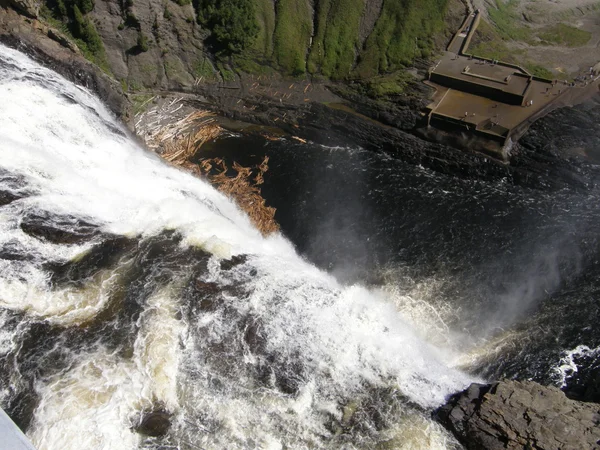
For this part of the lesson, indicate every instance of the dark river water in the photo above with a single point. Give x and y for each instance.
(515, 269)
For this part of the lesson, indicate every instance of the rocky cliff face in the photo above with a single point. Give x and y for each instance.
(160, 44)
(520, 415)
(173, 56)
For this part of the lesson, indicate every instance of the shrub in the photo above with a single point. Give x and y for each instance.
(85, 5)
(232, 24)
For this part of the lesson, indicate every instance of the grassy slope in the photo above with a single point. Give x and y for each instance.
(337, 37)
(292, 35)
(493, 39)
(265, 15)
(404, 31)
(563, 34)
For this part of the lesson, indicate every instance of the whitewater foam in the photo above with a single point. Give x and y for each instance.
(332, 345)
(567, 366)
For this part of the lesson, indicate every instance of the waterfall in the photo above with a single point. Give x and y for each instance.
(132, 292)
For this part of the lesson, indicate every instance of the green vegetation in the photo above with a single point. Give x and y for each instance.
(264, 36)
(497, 49)
(402, 33)
(232, 23)
(70, 17)
(334, 46)
(491, 46)
(142, 42)
(507, 24)
(203, 69)
(265, 17)
(387, 85)
(250, 65)
(506, 19)
(226, 73)
(131, 20)
(493, 40)
(539, 71)
(140, 102)
(563, 34)
(156, 29)
(292, 35)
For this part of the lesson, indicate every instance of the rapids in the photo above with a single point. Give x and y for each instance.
(130, 290)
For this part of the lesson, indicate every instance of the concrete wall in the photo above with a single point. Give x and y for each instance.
(492, 93)
(443, 122)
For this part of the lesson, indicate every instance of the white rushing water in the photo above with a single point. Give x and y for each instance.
(349, 345)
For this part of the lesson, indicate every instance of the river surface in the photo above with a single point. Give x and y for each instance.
(139, 308)
(507, 275)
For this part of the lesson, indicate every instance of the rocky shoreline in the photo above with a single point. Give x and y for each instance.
(520, 415)
(503, 415)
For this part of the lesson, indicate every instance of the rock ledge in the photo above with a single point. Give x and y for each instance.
(520, 415)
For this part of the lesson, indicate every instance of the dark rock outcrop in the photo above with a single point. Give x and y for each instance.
(58, 229)
(7, 197)
(154, 423)
(29, 8)
(520, 415)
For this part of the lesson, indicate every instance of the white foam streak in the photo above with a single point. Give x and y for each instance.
(68, 306)
(354, 333)
(157, 349)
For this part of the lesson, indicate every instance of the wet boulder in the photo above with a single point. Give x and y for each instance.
(14, 251)
(58, 229)
(155, 422)
(12, 187)
(520, 415)
(228, 264)
(202, 297)
(7, 197)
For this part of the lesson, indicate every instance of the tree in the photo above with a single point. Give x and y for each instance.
(85, 5)
(232, 23)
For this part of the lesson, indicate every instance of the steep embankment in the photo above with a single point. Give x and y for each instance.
(550, 38)
(174, 44)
